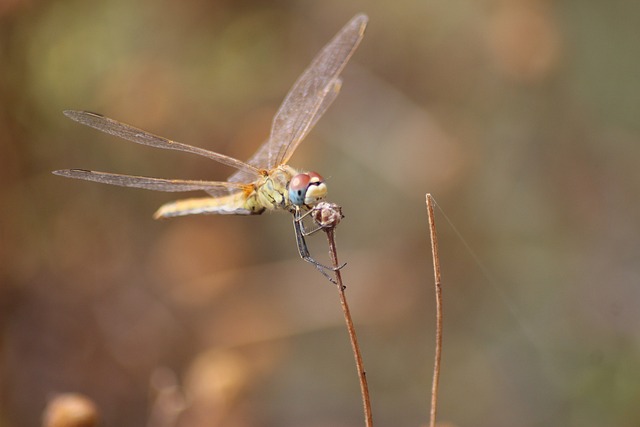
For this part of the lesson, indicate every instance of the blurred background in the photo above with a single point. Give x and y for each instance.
(519, 116)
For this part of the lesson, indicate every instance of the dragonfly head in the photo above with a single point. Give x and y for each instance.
(307, 189)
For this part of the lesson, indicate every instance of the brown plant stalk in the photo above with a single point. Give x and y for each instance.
(328, 215)
(438, 287)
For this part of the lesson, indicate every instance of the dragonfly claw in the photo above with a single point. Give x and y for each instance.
(325, 217)
(321, 268)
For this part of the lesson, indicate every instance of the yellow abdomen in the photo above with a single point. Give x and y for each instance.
(233, 204)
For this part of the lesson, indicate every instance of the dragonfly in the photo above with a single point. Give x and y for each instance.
(265, 182)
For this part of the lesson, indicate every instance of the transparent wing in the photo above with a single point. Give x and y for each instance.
(261, 157)
(214, 188)
(130, 133)
(309, 97)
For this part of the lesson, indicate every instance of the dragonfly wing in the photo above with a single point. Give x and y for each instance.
(214, 188)
(261, 157)
(130, 133)
(312, 93)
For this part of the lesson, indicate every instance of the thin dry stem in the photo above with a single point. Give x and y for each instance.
(438, 286)
(364, 389)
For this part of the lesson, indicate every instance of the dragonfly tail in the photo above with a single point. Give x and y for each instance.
(234, 204)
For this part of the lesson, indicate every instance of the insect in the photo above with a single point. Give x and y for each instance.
(265, 181)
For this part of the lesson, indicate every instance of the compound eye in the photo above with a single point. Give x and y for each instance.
(315, 178)
(307, 189)
(298, 188)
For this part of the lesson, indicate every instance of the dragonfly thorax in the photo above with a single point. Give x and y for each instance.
(307, 189)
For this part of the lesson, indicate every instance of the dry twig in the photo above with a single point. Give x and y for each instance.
(438, 286)
(327, 216)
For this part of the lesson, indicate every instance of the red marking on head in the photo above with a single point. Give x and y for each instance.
(315, 177)
(300, 182)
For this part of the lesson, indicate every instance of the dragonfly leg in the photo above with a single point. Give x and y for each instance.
(303, 250)
(299, 218)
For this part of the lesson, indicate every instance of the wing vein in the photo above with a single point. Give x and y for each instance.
(215, 188)
(139, 136)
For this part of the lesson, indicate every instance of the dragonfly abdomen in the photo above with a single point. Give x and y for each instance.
(233, 204)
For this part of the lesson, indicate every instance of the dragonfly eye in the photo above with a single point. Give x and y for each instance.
(307, 189)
